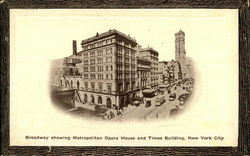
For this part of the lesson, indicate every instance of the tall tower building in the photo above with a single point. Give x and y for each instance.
(180, 52)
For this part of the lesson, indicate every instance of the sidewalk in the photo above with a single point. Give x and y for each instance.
(88, 106)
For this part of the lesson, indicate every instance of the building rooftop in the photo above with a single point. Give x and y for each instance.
(149, 49)
(142, 59)
(105, 34)
(165, 62)
(180, 32)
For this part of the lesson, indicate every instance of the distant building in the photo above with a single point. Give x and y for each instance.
(180, 52)
(170, 71)
(163, 72)
(66, 72)
(186, 63)
(152, 56)
(189, 68)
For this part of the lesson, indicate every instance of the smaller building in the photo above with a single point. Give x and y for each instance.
(152, 55)
(143, 72)
(163, 72)
(169, 71)
(189, 68)
(66, 72)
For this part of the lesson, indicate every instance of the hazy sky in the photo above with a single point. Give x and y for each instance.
(53, 31)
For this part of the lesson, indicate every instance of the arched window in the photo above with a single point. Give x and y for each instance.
(108, 103)
(61, 83)
(71, 84)
(99, 99)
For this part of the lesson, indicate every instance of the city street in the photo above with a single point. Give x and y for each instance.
(153, 112)
(168, 109)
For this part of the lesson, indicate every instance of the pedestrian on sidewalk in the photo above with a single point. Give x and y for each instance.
(112, 114)
(120, 112)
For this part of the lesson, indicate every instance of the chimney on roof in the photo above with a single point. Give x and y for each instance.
(74, 47)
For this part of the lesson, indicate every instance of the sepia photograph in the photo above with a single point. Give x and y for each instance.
(114, 78)
(124, 77)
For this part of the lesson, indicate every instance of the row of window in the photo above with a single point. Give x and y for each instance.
(100, 86)
(98, 76)
(143, 74)
(99, 52)
(127, 76)
(126, 86)
(98, 44)
(110, 50)
(126, 52)
(99, 68)
(99, 60)
(125, 44)
(152, 80)
(108, 76)
(126, 68)
(109, 59)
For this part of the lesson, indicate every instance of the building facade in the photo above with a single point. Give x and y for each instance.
(109, 69)
(189, 68)
(170, 71)
(143, 72)
(66, 72)
(180, 52)
(163, 72)
(151, 55)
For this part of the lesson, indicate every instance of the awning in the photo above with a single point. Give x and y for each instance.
(149, 91)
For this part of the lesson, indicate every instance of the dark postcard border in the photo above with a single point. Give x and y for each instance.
(243, 147)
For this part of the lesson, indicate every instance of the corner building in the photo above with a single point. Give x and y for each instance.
(109, 69)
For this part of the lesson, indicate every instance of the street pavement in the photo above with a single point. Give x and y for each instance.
(153, 112)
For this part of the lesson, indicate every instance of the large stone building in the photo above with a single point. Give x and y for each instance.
(109, 69)
(151, 55)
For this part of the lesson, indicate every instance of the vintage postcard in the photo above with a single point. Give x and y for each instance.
(124, 77)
